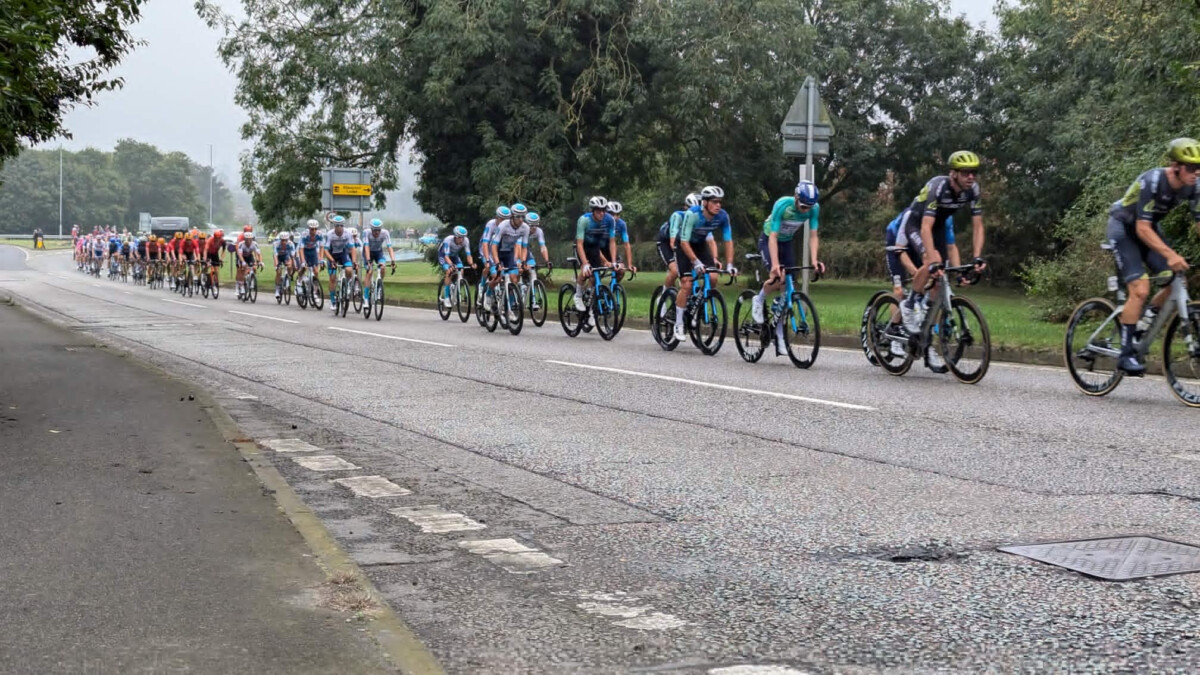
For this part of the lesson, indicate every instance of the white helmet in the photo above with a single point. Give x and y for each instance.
(312, 223)
(693, 199)
(249, 236)
(615, 208)
(285, 235)
(598, 202)
(712, 192)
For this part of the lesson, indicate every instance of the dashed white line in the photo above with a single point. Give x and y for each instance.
(290, 445)
(389, 337)
(180, 302)
(631, 610)
(324, 463)
(373, 487)
(510, 554)
(431, 518)
(756, 670)
(713, 385)
(262, 316)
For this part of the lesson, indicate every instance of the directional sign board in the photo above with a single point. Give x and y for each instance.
(345, 189)
(797, 124)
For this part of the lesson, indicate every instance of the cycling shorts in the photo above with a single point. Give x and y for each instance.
(787, 252)
(665, 253)
(311, 259)
(214, 259)
(1135, 260)
(896, 271)
(508, 259)
(455, 259)
(246, 259)
(375, 256)
(341, 260)
(593, 255)
(685, 265)
(190, 256)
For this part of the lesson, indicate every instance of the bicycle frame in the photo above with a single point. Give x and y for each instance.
(1176, 304)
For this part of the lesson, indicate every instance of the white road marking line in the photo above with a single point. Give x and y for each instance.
(324, 463)
(262, 316)
(127, 293)
(389, 337)
(756, 670)
(290, 445)
(510, 554)
(242, 396)
(27, 256)
(97, 285)
(655, 621)
(626, 607)
(726, 387)
(1190, 458)
(431, 518)
(373, 487)
(180, 302)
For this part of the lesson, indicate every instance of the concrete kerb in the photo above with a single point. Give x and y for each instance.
(400, 645)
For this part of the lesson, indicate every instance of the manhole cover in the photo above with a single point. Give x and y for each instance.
(1116, 558)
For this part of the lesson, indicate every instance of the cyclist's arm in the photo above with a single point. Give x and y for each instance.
(773, 249)
(580, 229)
(1145, 232)
(953, 253)
(727, 236)
(927, 221)
(685, 235)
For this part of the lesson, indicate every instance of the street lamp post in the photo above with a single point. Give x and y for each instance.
(60, 189)
(210, 184)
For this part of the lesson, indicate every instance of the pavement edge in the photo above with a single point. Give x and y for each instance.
(400, 644)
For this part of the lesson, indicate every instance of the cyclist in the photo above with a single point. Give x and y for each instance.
(449, 254)
(788, 217)
(153, 253)
(536, 233)
(284, 255)
(697, 250)
(375, 240)
(509, 241)
(247, 254)
(901, 266)
(1139, 244)
(114, 253)
(593, 235)
(621, 233)
(340, 252)
(668, 233)
(188, 249)
(99, 246)
(141, 252)
(311, 246)
(213, 254)
(923, 223)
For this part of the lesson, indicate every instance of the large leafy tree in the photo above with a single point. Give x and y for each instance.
(40, 75)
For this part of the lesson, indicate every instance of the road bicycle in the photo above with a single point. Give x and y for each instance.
(953, 326)
(373, 291)
(533, 292)
(349, 290)
(209, 283)
(458, 292)
(705, 317)
(308, 288)
(1093, 339)
(509, 303)
(185, 284)
(792, 309)
(250, 284)
(600, 304)
(286, 281)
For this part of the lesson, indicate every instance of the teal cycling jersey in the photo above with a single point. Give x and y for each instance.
(594, 232)
(697, 226)
(786, 219)
(621, 231)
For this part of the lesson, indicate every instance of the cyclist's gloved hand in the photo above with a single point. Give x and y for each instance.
(819, 268)
(587, 268)
(731, 270)
(698, 265)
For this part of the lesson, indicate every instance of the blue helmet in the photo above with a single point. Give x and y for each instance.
(460, 231)
(503, 212)
(339, 220)
(533, 218)
(806, 192)
(519, 209)
(376, 223)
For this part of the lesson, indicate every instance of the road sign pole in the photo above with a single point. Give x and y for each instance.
(809, 174)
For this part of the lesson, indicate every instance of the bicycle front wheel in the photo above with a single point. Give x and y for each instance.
(252, 288)
(1091, 347)
(302, 293)
(537, 303)
(662, 318)
(317, 295)
(215, 290)
(604, 309)
(710, 323)
(462, 300)
(343, 297)
(964, 341)
(801, 331)
(570, 318)
(443, 293)
(287, 289)
(621, 300)
(514, 308)
(747, 335)
(1181, 356)
(356, 294)
(377, 299)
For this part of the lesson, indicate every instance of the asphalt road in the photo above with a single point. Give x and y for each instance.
(687, 514)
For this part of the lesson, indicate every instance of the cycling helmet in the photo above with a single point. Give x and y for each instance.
(179, 235)
(807, 193)
(249, 235)
(964, 159)
(460, 231)
(202, 235)
(284, 236)
(219, 233)
(519, 209)
(312, 223)
(598, 202)
(353, 231)
(693, 199)
(503, 211)
(615, 208)
(339, 221)
(533, 218)
(711, 192)
(376, 223)
(1184, 151)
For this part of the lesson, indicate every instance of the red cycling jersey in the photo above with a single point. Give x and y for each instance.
(214, 245)
(188, 246)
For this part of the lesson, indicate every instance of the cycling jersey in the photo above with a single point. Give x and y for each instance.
(1151, 197)
(939, 198)
(213, 245)
(536, 233)
(594, 233)
(621, 231)
(786, 220)
(141, 248)
(697, 226)
(895, 234)
(506, 236)
(247, 249)
(339, 244)
(377, 244)
(284, 250)
(449, 249)
(188, 247)
(312, 242)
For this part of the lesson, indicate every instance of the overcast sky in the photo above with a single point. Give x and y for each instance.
(179, 96)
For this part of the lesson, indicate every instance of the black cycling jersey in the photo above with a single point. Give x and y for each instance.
(1151, 198)
(938, 197)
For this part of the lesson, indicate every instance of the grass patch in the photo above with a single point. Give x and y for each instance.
(839, 303)
(51, 244)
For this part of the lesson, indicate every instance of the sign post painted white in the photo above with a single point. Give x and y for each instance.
(806, 131)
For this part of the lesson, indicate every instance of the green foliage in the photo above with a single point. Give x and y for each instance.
(42, 72)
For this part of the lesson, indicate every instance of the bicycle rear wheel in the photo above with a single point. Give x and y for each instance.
(537, 303)
(462, 300)
(747, 335)
(570, 318)
(866, 327)
(377, 299)
(882, 310)
(442, 293)
(287, 289)
(801, 331)
(252, 288)
(1092, 361)
(964, 341)
(662, 318)
(317, 297)
(710, 323)
(514, 308)
(356, 294)
(1181, 356)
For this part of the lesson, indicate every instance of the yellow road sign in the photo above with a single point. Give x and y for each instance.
(351, 190)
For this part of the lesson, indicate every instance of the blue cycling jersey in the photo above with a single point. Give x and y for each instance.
(594, 233)
(697, 226)
(621, 231)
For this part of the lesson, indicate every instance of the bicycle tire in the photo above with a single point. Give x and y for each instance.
(287, 289)
(663, 322)
(863, 338)
(604, 311)
(378, 300)
(215, 290)
(514, 308)
(1088, 317)
(710, 313)
(462, 300)
(1189, 329)
(965, 336)
(204, 289)
(317, 297)
(252, 288)
(621, 302)
(356, 296)
(480, 309)
(442, 310)
(568, 316)
(343, 296)
(539, 298)
(882, 310)
(302, 291)
(748, 335)
(800, 320)
(279, 298)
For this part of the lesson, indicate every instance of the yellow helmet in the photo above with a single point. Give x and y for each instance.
(1184, 151)
(202, 235)
(179, 235)
(964, 159)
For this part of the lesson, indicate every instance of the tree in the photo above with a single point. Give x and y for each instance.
(39, 80)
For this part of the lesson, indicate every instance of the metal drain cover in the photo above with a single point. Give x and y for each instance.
(1116, 558)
